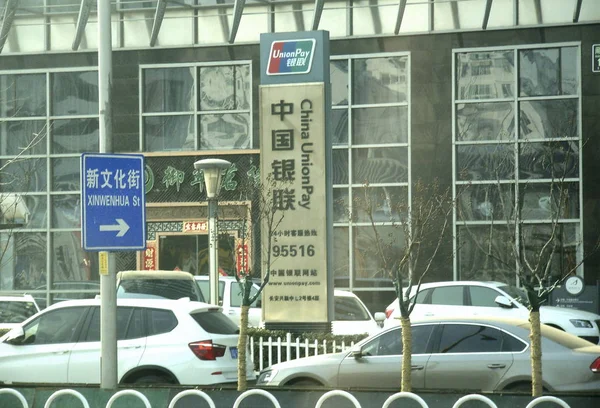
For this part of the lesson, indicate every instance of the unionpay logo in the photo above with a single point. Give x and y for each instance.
(291, 57)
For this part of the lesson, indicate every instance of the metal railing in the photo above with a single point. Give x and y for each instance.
(333, 393)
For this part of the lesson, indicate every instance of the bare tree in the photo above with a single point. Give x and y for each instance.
(408, 255)
(259, 221)
(543, 253)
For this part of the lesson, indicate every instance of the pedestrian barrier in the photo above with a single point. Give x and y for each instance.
(474, 397)
(245, 394)
(66, 392)
(128, 392)
(271, 397)
(408, 395)
(339, 393)
(17, 395)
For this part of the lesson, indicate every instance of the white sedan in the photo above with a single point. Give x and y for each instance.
(473, 298)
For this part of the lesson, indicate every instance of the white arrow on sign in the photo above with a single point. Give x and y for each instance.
(120, 226)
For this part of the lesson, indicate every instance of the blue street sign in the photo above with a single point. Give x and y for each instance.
(113, 211)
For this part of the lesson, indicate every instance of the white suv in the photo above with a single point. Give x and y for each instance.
(15, 309)
(471, 298)
(158, 341)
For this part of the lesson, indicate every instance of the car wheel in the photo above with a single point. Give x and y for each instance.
(152, 379)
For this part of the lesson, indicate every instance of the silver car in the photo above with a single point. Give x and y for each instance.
(480, 354)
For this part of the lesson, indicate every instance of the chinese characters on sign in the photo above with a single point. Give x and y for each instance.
(293, 156)
(149, 262)
(195, 226)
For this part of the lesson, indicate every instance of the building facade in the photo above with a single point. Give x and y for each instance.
(495, 99)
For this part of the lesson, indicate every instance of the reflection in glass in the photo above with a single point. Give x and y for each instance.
(74, 93)
(486, 202)
(485, 121)
(548, 119)
(339, 126)
(368, 262)
(555, 160)
(168, 89)
(66, 211)
(340, 166)
(548, 71)
(224, 88)
(485, 252)
(485, 162)
(75, 136)
(37, 206)
(341, 257)
(65, 173)
(561, 254)
(225, 131)
(22, 175)
(380, 125)
(22, 95)
(341, 206)
(339, 82)
(542, 201)
(23, 264)
(163, 133)
(386, 204)
(379, 80)
(485, 75)
(23, 137)
(69, 261)
(380, 165)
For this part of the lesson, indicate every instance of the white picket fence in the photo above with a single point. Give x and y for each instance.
(276, 350)
(471, 397)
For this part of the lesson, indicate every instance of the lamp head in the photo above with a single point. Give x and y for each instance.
(212, 174)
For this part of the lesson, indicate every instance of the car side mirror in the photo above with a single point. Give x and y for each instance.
(356, 351)
(379, 317)
(15, 336)
(502, 301)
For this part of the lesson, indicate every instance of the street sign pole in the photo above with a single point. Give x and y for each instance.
(108, 281)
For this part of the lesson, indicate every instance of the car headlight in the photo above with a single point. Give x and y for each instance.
(586, 324)
(266, 377)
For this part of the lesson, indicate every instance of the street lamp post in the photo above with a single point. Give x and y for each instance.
(212, 181)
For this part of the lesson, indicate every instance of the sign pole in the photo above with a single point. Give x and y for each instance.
(108, 281)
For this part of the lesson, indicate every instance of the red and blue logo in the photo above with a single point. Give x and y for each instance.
(291, 57)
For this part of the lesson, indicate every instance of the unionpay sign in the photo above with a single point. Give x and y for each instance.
(291, 57)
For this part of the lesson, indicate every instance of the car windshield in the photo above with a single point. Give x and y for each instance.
(518, 294)
(160, 288)
(349, 308)
(16, 312)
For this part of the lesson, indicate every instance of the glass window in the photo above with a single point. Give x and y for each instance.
(23, 138)
(348, 308)
(549, 160)
(65, 173)
(381, 125)
(380, 165)
(54, 327)
(23, 175)
(213, 321)
(486, 202)
(512, 344)
(224, 88)
(483, 297)
(462, 338)
(379, 80)
(485, 74)
(224, 131)
(485, 162)
(236, 295)
(368, 262)
(129, 324)
(548, 71)
(74, 93)
(75, 136)
(16, 311)
(485, 121)
(168, 89)
(22, 95)
(339, 82)
(557, 118)
(165, 133)
(160, 321)
(22, 260)
(390, 343)
(449, 295)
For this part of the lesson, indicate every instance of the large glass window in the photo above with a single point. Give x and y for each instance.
(47, 119)
(518, 186)
(370, 129)
(197, 107)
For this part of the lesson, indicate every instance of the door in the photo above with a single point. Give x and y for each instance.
(43, 355)
(469, 357)
(381, 363)
(84, 364)
(482, 300)
(441, 301)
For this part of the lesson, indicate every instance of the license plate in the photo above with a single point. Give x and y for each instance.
(234, 352)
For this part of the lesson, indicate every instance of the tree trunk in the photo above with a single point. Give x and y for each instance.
(406, 354)
(535, 338)
(242, 347)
